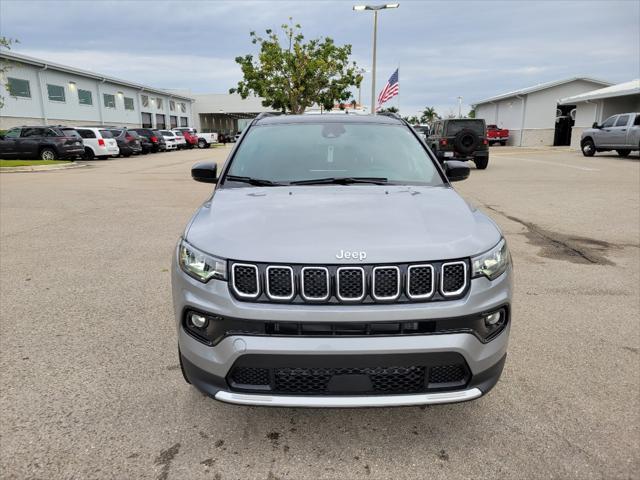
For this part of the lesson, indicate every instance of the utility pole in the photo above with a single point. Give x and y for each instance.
(459, 107)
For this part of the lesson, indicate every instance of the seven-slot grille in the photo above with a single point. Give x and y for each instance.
(350, 284)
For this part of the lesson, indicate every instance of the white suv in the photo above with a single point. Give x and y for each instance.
(170, 138)
(98, 142)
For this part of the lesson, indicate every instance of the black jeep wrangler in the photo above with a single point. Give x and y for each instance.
(460, 139)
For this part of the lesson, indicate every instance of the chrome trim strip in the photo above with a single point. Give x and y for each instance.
(293, 283)
(322, 401)
(364, 284)
(433, 282)
(464, 285)
(233, 280)
(315, 299)
(373, 283)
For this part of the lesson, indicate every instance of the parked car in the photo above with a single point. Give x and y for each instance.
(618, 132)
(128, 142)
(423, 130)
(324, 308)
(151, 136)
(162, 143)
(98, 142)
(204, 139)
(45, 143)
(497, 135)
(460, 139)
(170, 139)
(191, 140)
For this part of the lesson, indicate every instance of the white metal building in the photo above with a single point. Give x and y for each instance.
(225, 113)
(42, 92)
(598, 105)
(533, 115)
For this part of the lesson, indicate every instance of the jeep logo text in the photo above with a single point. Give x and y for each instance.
(347, 255)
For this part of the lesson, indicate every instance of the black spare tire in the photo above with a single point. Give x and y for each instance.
(466, 141)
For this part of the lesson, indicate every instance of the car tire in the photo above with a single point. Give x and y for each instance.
(623, 153)
(202, 143)
(588, 148)
(88, 154)
(48, 154)
(481, 162)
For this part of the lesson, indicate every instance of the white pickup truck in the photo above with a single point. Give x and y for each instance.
(619, 132)
(204, 139)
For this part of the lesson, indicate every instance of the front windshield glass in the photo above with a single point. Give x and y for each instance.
(299, 152)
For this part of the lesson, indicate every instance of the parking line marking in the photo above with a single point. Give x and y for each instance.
(586, 169)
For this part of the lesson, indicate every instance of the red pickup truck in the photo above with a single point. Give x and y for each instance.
(497, 135)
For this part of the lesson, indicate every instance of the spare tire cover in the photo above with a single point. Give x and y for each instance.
(466, 141)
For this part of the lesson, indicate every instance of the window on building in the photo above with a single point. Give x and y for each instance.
(173, 120)
(56, 93)
(19, 87)
(160, 121)
(109, 100)
(146, 120)
(145, 100)
(158, 103)
(622, 121)
(183, 107)
(184, 122)
(85, 97)
(128, 103)
(609, 122)
(172, 105)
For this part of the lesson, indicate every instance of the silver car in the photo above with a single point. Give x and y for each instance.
(335, 266)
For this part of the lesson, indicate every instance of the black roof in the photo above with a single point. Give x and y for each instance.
(327, 118)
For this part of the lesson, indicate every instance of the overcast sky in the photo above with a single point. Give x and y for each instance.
(475, 49)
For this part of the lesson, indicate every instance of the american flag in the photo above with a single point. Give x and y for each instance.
(390, 90)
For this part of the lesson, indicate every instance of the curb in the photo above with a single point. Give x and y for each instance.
(42, 168)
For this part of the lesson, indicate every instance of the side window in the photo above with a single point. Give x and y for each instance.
(47, 132)
(32, 132)
(13, 133)
(86, 133)
(609, 122)
(109, 100)
(56, 93)
(622, 121)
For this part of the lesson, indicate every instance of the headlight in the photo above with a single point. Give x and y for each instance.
(200, 265)
(493, 263)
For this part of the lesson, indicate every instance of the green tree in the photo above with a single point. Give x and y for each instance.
(389, 109)
(5, 66)
(429, 115)
(472, 113)
(413, 120)
(299, 74)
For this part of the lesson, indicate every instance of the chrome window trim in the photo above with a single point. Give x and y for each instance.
(373, 283)
(464, 285)
(364, 284)
(293, 283)
(433, 282)
(328, 278)
(233, 280)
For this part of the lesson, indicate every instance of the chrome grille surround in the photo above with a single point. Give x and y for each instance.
(339, 273)
(268, 286)
(303, 290)
(234, 281)
(458, 291)
(386, 298)
(427, 295)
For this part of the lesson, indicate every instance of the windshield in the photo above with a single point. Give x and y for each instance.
(299, 152)
(455, 126)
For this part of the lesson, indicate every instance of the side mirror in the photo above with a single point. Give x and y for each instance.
(595, 125)
(456, 170)
(205, 172)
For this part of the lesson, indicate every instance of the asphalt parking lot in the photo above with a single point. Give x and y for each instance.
(91, 387)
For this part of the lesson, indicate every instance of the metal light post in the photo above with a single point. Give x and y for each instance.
(375, 8)
(459, 107)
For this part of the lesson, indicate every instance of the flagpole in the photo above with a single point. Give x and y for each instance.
(398, 88)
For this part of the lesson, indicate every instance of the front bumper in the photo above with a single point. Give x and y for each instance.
(208, 367)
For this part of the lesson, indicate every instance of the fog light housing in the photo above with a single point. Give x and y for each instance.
(197, 320)
(493, 319)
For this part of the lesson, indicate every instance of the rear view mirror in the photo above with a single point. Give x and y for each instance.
(456, 170)
(205, 172)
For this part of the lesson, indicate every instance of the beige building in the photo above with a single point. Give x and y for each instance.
(534, 115)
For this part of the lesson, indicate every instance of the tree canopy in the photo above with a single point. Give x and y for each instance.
(293, 74)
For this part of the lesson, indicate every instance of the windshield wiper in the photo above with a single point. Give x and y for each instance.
(341, 181)
(253, 181)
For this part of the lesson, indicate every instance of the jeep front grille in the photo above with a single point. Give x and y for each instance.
(420, 282)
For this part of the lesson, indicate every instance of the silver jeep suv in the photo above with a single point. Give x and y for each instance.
(335, 266)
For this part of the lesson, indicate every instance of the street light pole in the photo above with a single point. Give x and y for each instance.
(459, 107)
(375, 9)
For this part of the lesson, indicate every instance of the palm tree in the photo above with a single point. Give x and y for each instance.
(428, 115)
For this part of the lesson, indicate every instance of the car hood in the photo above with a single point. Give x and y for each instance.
(312, 224)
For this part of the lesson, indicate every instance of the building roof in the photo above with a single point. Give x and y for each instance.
(619, 90)
(538, 87)
(228, 103)
(18, 57)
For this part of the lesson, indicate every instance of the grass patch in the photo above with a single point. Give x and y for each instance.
(28, 163)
